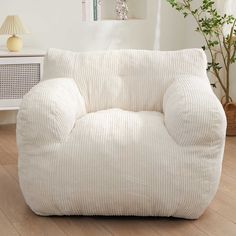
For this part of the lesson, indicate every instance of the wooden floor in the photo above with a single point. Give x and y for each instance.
(17, 219)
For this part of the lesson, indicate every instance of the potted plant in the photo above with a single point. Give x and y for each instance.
(219, 33)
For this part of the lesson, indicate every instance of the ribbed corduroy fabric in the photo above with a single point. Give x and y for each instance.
(127, 79)
(121, 133)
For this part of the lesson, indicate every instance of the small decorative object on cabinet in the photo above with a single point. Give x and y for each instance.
(122, 9)
(13, 26)
(95, 10)
(19, 72)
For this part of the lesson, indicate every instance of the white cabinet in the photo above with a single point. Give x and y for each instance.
(19, 72)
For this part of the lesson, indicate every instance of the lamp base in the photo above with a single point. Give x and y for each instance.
(14, 44)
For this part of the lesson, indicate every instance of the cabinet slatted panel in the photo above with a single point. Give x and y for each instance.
(17, 79)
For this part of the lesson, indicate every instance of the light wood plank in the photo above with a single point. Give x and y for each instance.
(38, 226)
(8, 148)
(6, 228)
(215, 225)
(22, 218)
(6, 157)
(16, 218)
(11, 200)
(129, 226)
(177, 227)
(229, 169)
(228, 185)
(12, 171)
(85, 226)
(225, 206)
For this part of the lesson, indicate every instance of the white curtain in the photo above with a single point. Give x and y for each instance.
(157, 36)
(226, 7)
(229, 7)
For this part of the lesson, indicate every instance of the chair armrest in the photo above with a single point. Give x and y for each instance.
(192, 113)
(49, 111)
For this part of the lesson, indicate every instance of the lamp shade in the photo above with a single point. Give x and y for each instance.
(12, 26)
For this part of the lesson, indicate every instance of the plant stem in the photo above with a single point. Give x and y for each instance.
(221, 51)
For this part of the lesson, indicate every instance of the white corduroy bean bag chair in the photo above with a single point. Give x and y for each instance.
(122, 132)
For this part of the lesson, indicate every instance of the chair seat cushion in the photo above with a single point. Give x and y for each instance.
(118, 162)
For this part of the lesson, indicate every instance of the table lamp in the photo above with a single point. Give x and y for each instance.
(13, 26)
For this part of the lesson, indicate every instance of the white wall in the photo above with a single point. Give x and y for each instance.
(57, 23)
(173, 28)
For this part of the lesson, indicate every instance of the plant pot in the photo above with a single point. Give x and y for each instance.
(230, 111)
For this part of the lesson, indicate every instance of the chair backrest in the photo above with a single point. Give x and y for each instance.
(133, 80)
